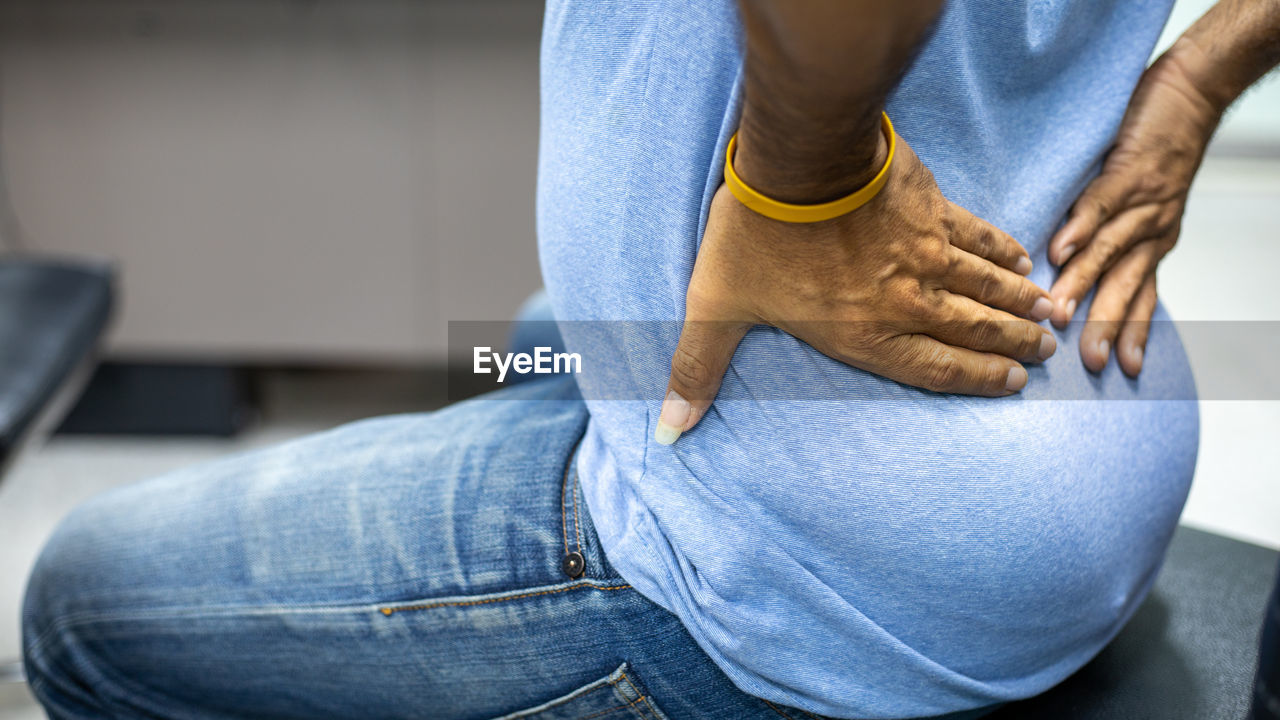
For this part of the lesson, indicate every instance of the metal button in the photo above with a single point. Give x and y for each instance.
(573, 564)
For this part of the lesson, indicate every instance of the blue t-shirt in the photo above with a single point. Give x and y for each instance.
(836, 541)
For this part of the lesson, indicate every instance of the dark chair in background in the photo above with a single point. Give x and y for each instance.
(1190, 651)
(52, 316)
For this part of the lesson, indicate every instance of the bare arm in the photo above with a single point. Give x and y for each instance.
(1130, 216)
(909, 286)
(1230, 48)
(817, 74)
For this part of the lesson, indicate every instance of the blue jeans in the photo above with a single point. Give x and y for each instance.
(436, 565)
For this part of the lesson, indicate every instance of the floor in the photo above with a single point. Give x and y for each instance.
(1221, 276)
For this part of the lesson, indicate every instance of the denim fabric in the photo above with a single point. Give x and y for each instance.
(874, 550)
(402, 567)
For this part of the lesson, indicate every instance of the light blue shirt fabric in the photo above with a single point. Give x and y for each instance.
(836, 541)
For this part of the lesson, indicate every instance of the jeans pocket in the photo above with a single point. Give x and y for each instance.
(613, 697)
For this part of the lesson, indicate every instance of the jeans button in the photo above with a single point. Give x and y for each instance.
(573, 564)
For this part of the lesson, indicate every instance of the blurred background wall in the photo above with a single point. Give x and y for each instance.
(316, 182)
(304, 182)
(279, 181)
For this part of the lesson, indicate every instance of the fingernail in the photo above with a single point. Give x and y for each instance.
(1104, 349)
(1071, 308)
(1135, 354)
(1042, 309)
(1048, 346)
(1017, 379)
(1023, 266)
(1066, 254)
(675, 414)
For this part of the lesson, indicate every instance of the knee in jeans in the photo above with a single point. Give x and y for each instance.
(59, 593)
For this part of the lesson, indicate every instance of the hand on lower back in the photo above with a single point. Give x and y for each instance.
(909, 286)
(1129, 217)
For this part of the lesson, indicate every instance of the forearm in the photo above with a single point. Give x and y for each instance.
(817, 75)
(1230, 48)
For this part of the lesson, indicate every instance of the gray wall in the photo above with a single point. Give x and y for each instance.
(279, 181)
(320, 181)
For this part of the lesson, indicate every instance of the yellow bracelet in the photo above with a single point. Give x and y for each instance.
(786, 212)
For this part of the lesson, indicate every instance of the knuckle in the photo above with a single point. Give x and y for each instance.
(689, 370)
(1098, 205)
(1080, 277)
(987, 245)
(1150, 184)
(989, 284)
(1028, 339)
(944, 372)
(1026, 296)
(947, 220)
(952, 263)
(1105, 245)
(1130, 284)
(1113, 245)
(981, 242)
(1169, 216)
(993, 243)
(918, 304)
(986, 334)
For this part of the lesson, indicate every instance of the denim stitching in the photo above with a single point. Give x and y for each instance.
(578, 694)
(84, 618)
(614, 684)
(652, 710)
(565, 499)
(564, 517)
(606, 682)
(630, 705)
(622, 675)
(467, 603)
(577, 524)
(776, 709)
(573, 698)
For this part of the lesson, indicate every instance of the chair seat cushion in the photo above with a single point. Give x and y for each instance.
(1189, 652)
(51, 316)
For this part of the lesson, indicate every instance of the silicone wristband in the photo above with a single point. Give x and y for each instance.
(786, 212)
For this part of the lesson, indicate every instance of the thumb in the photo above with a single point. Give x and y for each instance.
(701, 358)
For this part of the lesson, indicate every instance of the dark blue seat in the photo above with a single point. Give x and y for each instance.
(1190, 652)
(52, 314)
